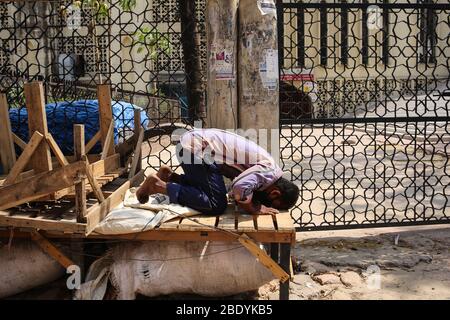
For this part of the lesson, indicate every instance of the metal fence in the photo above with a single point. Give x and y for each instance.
(365, 128)
(74, 45)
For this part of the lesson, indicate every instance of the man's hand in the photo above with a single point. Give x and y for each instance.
(257, 209)
(267, 211)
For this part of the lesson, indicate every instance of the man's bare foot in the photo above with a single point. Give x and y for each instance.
(153, 184)
(164, 173)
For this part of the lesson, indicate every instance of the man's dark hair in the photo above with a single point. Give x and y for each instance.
(289, 192)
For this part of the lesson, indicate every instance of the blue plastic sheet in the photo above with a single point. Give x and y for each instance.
(61, 116)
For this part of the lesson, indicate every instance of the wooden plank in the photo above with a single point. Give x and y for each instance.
(265, 222)
(93, 141)
(104, 166)
(105, 114)
(201, 222)
(227, 221)
(155, 234)
(56, 150)
(285, 221)
(22, 144)
(245, 223)
(51, 250)
(137, 132)
(41, 160)
(59, 226)
(172, 224)
(100, 167)
(7, 152)
(99, 211)
(23, 175)
(40, 185)
(263, 258)
(93, 182)
(137, 155)
(80, 187)
(24, 158)
(109, 139)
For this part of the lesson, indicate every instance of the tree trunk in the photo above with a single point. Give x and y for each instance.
(190, 40)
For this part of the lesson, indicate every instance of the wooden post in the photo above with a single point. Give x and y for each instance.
(105, 115)
(285, 263)
(41, 160)
(137, 130)
(190, 41)
(221, 26)
(80, 187)
(7, 152)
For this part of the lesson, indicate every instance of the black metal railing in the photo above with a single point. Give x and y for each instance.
(369, 141)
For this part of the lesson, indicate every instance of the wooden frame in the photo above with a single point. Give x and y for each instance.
(61, 176)
(7, 152)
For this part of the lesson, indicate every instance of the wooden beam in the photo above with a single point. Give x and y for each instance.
(55, 231)
(42, 224)
(93, 141)
(41, 160)
(137, 131)
(263, 258)
(51, 250)
(137, 121)
(40, 185)
(24, 158)
(102, 166)
(80, 187)
(99, 211)
(22, 144)
(137, 155)
(56, 150)
(93, 182)
(98, 168)
(105, 114)
(109, 141)
(7, 152)
(21, 176)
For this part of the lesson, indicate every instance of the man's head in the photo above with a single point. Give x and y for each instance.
(281, 195)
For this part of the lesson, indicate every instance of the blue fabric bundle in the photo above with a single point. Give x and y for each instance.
(61, 116)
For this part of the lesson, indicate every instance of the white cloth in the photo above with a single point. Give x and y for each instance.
(132, 216)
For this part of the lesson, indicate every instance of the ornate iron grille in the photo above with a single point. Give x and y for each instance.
(133, 45)
(365, 106)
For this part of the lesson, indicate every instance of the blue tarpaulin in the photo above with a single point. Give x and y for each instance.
(61, 116)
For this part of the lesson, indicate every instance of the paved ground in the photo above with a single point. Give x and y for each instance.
(412, 263)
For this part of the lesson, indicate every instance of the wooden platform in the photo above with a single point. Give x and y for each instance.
(59, 215)
(262, 228)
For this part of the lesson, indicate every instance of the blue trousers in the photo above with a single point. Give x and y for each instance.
(201, 187)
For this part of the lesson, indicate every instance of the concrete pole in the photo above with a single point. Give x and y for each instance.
(221, 18)
(258, 70)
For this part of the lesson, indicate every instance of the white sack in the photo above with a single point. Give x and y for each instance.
(25, 266)
(206, 268)
(132, 216)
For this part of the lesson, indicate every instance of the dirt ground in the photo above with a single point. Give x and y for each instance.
(387, 263)
(383, 263)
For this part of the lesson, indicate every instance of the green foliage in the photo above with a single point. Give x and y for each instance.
(152, 41)
(127, 5)
(15, 97)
